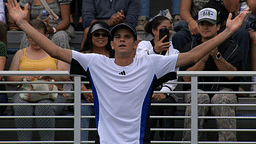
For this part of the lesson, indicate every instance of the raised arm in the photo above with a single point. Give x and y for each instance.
(19, 16)
(185, 7)
(200, 51)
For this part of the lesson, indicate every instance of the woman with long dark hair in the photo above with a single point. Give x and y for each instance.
(157, 46)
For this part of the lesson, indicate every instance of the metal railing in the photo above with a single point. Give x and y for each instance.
(77, 107)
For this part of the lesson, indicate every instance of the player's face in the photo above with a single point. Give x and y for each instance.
(123, 42)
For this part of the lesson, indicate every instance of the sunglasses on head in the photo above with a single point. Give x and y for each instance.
(97, 34)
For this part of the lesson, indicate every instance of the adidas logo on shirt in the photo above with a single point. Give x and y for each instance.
(122, 73)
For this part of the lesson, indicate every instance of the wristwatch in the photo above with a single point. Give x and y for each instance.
(54, 30)
(218, 56)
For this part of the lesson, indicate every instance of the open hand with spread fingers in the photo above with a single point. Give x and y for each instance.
(235, 24)
(15, 11)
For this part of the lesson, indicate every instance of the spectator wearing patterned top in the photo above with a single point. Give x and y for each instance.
(56, 31)
(122, 86)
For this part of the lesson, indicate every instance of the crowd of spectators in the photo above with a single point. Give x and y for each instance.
(56, 27)
(97, 18)
(33, 58)
(223, 58)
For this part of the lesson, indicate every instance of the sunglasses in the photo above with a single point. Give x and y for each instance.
(97, 34)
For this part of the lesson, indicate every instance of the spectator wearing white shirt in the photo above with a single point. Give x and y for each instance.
(158, 46)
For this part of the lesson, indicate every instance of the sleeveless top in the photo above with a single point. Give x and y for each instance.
(37, 65)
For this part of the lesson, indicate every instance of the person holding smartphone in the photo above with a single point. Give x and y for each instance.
(161, 28)
(122, 86)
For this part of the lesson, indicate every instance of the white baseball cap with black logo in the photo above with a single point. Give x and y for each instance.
(208, 14)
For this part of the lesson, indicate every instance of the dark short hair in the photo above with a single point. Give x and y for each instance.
(38, 24)
(123, 26)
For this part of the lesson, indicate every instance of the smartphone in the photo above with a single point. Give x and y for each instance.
(162, 33)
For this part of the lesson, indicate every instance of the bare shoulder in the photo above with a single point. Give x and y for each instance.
(19, 53)
(16, 60)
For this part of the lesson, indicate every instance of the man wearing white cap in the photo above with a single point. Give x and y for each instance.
(225, 57)
(122, 87)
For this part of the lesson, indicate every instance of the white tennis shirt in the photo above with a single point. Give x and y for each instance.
(121, 94)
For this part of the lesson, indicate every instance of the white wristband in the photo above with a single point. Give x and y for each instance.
(54, 30)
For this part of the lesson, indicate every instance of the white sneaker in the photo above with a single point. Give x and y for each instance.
(253, 88)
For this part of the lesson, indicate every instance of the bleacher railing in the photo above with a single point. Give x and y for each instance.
(77, 107)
